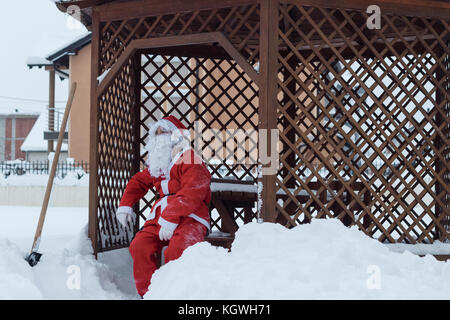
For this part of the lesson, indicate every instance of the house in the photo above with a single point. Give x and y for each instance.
(35, 146)
(15, 124)
(71, 61)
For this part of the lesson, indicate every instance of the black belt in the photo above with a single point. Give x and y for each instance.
(158, 196)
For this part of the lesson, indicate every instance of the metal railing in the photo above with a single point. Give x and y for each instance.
(54, 118)
(8, 168)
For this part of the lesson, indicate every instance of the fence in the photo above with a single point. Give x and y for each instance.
(8, 168)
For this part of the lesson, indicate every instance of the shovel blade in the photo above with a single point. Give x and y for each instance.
(33, 258)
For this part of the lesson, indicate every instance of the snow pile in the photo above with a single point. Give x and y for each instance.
(70, 273)
(321, 260)
(67, 269)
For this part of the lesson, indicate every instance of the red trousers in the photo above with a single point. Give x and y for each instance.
(146, 244)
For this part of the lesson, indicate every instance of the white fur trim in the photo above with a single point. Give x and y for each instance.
(161, 203)
(151, 215)
(125, 209)
(201, 220)
(165, 186)
(166, 224)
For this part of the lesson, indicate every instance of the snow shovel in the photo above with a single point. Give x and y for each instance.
(33, 257)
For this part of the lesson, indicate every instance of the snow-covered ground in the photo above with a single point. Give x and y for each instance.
(321, 260)
(67, 269)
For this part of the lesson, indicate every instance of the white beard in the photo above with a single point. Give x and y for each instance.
(159, 154)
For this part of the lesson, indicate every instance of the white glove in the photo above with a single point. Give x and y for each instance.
(165, 233)
(124, 218)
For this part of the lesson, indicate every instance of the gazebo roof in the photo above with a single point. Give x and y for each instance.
(85, 6)
(425, 7)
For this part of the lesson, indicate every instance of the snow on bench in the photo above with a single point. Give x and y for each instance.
(436, 248)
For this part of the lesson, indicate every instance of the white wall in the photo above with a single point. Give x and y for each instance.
(43, 156)
(61, 196)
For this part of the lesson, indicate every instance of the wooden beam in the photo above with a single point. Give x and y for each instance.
(136, 117)
(205, 51)
(93, 147)
(418, 8)
(142, 8)
(153, 43)
(82, 4)
(115, 69)
(268, 95)
(241, 61)
(183, 40)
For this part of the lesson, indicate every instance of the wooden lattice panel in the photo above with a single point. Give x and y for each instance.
(115, 157)
(364, 122)
(207, 95)
(240, 24)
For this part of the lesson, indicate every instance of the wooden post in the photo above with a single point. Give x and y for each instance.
(440, 96)
(93, 148)
(268, 96)
(136, 116)
(291, 110)
(291, 208)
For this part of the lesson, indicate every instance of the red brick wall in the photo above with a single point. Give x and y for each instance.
(8, 131)
(23, 127)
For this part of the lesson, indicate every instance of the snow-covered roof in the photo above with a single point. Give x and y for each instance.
(70, 47)
(38, 61)
(11, 111)
(35, 139)
(55, 50)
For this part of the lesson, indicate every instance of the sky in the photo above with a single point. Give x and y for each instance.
(31, 28)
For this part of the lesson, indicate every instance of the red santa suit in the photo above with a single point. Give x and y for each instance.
(184, 195)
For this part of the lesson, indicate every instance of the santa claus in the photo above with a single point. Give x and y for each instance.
(180, 216)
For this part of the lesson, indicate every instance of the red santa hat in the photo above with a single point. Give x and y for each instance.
(169, 123)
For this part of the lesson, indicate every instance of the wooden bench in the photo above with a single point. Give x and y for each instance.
(220, 239)
(227, 194)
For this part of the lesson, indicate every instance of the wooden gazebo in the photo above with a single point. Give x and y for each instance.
(362, 113)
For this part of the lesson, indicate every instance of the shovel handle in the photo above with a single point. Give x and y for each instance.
(51, 177)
